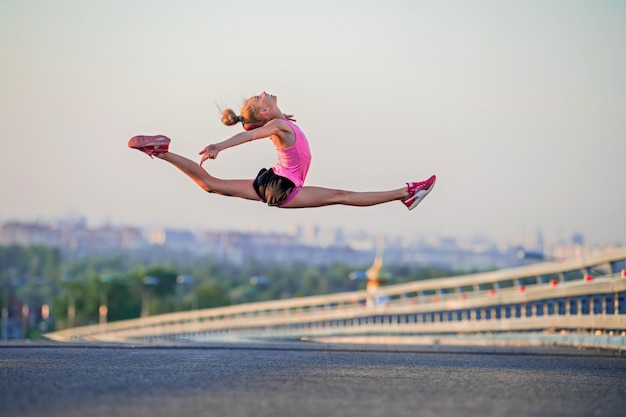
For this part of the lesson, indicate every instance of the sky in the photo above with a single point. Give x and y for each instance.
(518, 107)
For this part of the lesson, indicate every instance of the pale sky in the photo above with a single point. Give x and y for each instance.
(519, 107)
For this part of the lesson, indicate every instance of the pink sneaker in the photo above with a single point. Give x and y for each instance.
(417, 191)
(150, 145)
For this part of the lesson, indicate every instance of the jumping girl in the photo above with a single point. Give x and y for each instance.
(283, 184)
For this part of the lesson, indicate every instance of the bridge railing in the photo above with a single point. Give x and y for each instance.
(582, 295)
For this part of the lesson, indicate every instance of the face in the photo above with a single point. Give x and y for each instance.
(261, 101)
(257, 109)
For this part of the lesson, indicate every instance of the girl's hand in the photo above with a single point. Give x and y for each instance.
(209, 152)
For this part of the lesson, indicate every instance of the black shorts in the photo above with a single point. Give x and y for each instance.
(271, 188)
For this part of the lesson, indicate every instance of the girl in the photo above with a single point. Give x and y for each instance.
(283, 184)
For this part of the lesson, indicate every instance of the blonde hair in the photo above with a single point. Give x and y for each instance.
(249, 117)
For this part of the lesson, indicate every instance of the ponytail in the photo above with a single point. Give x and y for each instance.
(230, 118)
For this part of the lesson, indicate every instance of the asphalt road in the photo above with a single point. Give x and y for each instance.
(304, 379)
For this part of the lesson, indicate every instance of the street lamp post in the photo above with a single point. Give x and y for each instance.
(5, 312)
(67, 281)
(145, 294)
(25, 319)
(71, 311)
(7, 286)
(188, 281)
(103, 310)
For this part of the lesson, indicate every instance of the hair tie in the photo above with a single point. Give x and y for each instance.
(240, 118)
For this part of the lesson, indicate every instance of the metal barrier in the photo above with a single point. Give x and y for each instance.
(579, 300)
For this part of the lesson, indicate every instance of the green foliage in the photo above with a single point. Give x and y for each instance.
(38, 275)
(32, 271)
(211, 294)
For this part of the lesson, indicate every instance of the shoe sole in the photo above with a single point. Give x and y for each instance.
(136, 141)
(150, 145)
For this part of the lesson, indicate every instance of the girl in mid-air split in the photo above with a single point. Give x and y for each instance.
(283, 184)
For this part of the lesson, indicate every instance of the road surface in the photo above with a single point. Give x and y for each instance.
(306, 379)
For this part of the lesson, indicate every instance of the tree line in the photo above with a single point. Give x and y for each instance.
(43, 291)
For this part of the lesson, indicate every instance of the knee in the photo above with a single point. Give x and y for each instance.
(340, 196)
(206, 186)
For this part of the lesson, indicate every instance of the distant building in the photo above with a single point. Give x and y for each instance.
(29, 234)
(307, 244)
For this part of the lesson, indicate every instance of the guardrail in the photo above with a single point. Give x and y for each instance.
(579, 300)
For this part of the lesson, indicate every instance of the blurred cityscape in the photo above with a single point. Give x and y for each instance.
(308, 244)
(64, 273)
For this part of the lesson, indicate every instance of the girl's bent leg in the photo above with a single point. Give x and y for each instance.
(209, 183)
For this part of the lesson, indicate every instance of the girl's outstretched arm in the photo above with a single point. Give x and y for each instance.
(271, 128)
(211, 151)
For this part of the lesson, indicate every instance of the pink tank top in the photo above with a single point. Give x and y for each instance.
(294, 161)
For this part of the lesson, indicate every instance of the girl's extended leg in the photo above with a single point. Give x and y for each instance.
(209, 183)
(411, 196)
(318, 197)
